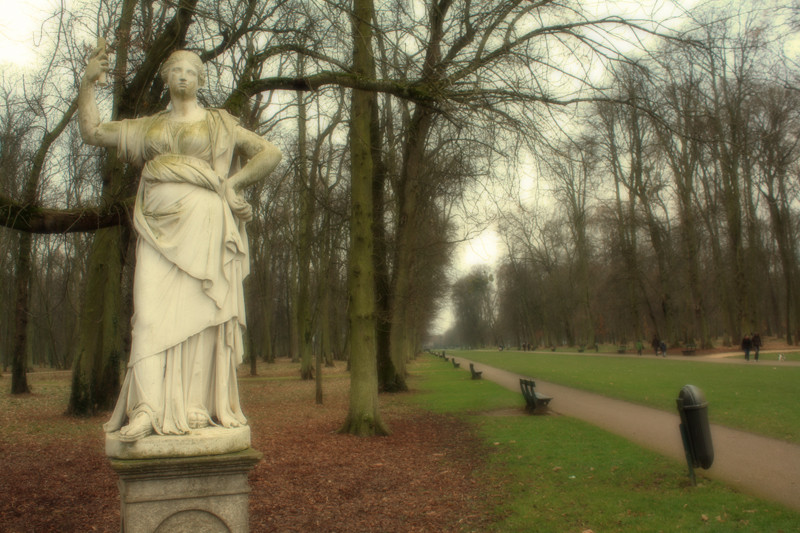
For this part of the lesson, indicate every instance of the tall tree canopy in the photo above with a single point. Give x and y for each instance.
(390, 114)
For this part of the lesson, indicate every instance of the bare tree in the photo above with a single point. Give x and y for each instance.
(729, 62)
(679, 125)
(472, 298)
(777, 131)
(23, 267)
(573, 172)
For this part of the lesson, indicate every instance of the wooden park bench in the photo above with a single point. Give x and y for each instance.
(622, 348)
(475, 373)
(689, 349)
(455, 365)
(534, 402)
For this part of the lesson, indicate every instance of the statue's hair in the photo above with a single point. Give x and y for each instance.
(187, 55)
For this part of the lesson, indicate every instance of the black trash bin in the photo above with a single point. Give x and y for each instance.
(693, 408)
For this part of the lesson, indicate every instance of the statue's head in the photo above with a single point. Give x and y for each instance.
(184, 55)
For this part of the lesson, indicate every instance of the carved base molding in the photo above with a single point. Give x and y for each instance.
(206, 494)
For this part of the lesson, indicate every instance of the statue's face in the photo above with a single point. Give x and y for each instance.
(183, 79)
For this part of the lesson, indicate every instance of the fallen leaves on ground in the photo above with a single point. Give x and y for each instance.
(55, 476)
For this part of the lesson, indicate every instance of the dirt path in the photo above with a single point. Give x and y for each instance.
(764, 467)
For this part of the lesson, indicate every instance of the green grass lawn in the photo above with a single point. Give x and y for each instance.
(759, 397)
(557, 474)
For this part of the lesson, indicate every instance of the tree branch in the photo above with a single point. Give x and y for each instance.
(314, 82)
(35, 219)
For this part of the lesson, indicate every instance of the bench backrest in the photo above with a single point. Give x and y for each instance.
(527, 385)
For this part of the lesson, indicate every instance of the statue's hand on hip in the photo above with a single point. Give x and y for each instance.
(238, 204)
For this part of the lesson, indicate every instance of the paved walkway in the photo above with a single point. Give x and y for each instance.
(764, 467)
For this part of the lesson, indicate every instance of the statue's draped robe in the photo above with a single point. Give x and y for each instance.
(191, 259)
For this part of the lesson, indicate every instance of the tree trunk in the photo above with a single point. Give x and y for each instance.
(251, 347)
(268, 309)
(719, 276)
(19, 361)
(292, 290)
(100, 353)
(753, 253)
(328, 279)
(318, 380)
(326, 329)
(780, 218)
(305, 191)
(660, 244)
(266, 286)
(363, 417)
(407, 232)
(388, 376)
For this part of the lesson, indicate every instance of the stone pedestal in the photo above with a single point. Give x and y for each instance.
(205, 441)
(206, 494)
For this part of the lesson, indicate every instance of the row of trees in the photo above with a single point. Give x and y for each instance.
(675, 216)
(387, 112)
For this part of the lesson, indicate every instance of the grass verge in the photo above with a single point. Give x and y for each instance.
(757, 397)
(557, 474)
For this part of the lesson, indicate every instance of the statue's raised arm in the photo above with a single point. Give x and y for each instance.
(92, 130)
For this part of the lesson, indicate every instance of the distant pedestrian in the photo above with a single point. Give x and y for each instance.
(656, 344)
(663, 349)
(639, 347)
(756, 344)
(747, 345)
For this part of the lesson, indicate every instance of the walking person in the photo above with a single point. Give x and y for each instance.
(747, 345)
(756, 345)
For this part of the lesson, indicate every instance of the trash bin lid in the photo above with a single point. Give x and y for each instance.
(693, 397)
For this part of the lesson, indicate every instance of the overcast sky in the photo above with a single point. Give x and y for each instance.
(19, 23)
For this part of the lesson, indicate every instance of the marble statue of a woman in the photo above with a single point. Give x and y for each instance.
(191, 253)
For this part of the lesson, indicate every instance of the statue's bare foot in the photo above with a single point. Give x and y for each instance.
(230, 422)
(139, 427)
(198, 419)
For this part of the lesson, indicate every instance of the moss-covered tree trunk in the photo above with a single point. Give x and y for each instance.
(363, 417)
(99, 354)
